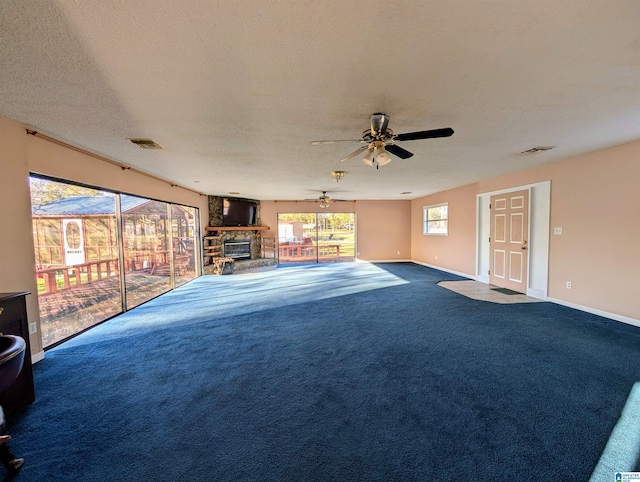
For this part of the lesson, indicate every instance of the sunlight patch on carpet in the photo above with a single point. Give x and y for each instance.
(210, 297)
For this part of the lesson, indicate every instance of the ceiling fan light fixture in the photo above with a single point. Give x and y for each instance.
(383, 158)
(368, 158)
(337, 175)
(379, 142)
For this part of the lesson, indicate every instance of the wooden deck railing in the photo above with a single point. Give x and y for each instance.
(72, 276)
(309, 251)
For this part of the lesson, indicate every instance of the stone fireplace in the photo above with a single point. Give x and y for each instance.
(243, 244)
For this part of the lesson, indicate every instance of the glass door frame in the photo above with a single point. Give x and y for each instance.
(295, 244)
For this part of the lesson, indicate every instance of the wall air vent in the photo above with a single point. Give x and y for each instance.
(146, 143)
(535, 150)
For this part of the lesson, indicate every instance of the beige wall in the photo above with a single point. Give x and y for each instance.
(382, 226)
(17, 260)
(53, 160)
(596, 201)
(455, 252)
(20, 154)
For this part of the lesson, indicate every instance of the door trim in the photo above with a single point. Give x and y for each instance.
(539, 231)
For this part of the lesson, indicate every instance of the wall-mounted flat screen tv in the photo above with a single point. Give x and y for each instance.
(238, 212)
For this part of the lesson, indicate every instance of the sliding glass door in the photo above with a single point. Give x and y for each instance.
(183, 240)
(336, 237)
(78, 256)
(316, 237)
(76, 251)
(146, 249)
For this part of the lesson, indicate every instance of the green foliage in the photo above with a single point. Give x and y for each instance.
(44, 191)
(304, 218)
(324, 220)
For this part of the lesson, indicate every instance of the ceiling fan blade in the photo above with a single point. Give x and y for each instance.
(334, 141)
(398, 151)
(379, 123)
(414, 136)
(355, 153)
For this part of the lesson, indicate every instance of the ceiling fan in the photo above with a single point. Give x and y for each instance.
(380, 141)
(325, 201)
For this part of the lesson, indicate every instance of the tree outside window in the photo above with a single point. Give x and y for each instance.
(436, 219)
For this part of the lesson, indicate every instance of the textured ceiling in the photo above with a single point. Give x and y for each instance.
(236, 91)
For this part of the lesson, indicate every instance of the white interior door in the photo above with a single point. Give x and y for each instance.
(509, 240)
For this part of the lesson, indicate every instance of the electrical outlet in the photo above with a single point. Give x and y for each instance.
(557, 231)
(568, 285)
(33, 328)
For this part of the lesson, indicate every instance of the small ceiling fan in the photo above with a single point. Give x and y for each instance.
(380, 141)
(325, 201)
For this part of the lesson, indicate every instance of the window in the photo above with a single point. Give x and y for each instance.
(436, 219)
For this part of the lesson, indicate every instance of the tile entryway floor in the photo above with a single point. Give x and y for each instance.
(483, 292)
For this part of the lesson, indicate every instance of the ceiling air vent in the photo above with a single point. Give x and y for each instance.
(535, 150)
(146, 143)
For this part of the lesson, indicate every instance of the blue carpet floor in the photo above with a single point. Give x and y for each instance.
(342, 372)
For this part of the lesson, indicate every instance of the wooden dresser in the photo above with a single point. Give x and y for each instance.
(13, 321)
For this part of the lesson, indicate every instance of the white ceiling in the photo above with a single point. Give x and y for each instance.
(236, 90)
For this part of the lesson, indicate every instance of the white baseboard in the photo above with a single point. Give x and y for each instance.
(383, 260)
(594, 311)
(440, 268)
(36, 357)
(534, 293)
